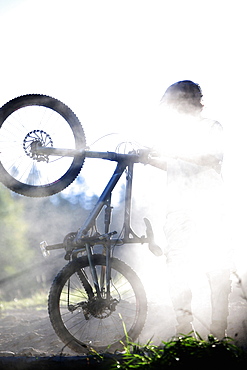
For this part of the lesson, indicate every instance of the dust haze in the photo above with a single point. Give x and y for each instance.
(50, 220)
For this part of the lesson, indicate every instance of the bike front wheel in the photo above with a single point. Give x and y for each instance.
(38, 120)
(84, 321)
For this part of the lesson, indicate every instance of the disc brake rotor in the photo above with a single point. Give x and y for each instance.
(35, 139)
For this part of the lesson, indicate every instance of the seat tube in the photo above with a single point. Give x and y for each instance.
(105, 196)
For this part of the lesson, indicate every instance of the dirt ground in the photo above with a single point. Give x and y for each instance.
(29, 332)
(28, 341)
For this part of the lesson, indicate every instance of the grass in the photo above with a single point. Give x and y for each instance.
(182, 352)
(38, 300)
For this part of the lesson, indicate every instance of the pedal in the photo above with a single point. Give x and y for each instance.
(44, 251)
(153, 247)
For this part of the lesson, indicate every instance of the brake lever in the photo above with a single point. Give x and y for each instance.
(153, 247)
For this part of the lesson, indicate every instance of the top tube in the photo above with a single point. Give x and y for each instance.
(112, 156)
(140, 156)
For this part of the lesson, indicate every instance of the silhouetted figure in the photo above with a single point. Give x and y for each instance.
(192, 148)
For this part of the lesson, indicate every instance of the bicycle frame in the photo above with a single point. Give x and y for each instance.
(97, 291)
(81, 240)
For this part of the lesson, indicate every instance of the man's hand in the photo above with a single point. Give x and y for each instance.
(149, 156)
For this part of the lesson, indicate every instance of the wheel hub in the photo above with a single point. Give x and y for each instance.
(35, 139)
(100, 308)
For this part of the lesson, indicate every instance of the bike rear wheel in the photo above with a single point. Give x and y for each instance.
(43, 120)
(83, 321)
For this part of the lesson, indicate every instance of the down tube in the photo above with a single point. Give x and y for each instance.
(102, 199)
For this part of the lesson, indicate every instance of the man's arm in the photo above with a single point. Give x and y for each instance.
(207, 161)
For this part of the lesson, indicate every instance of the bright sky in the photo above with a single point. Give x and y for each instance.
(110, 61)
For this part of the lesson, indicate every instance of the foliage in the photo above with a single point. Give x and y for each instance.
(181, 352)
(24, 223)
(14, 250)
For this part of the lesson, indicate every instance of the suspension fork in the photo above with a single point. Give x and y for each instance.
(105, 199)
(106, 270)
(105, 273)
(93, 270)
(127, 222)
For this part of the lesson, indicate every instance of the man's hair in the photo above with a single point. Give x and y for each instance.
(184, 96)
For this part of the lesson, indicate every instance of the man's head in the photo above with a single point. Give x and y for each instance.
(184, 97)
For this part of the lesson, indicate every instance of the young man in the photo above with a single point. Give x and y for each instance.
(192, 150)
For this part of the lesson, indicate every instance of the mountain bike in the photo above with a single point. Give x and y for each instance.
(96, 301)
